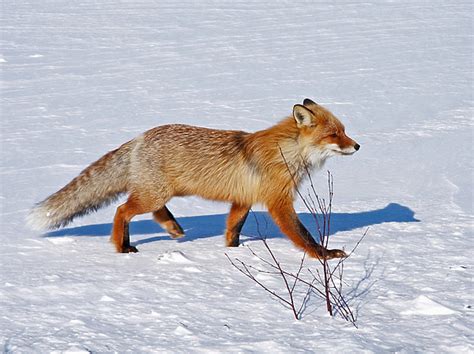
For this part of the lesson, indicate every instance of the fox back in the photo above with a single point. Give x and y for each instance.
(230, 165)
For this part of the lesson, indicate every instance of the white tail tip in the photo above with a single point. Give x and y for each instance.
(38, 219)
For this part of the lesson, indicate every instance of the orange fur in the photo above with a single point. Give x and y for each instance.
(234, 166)
(167, 221)
(237, 215)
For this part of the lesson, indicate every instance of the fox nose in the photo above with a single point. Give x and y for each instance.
(357, 146)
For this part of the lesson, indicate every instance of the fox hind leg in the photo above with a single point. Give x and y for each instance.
(126, 247)
(235, 221)
(168, 222)
(120, 231)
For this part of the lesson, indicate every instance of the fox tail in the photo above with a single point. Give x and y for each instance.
(98, 185)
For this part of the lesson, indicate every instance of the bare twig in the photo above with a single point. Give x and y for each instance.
(327, 284)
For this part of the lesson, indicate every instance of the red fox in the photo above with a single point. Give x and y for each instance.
(179, 160)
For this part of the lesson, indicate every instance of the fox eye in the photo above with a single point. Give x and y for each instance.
(334, 135)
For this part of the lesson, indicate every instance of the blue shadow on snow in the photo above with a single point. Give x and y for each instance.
(204, 226)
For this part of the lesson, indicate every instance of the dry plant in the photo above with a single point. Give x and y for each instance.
(325, 282)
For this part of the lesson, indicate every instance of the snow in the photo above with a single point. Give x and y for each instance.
(423, 305)
(80, 78)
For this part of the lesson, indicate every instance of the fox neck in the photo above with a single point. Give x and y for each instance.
(287, 150)
(302, 159)
(316, 158)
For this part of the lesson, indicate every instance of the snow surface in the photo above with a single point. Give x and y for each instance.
(81, 77)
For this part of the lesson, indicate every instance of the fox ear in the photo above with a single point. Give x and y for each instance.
(303, 116)
(310, 104)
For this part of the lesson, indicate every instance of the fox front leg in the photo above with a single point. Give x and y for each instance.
(287, 220)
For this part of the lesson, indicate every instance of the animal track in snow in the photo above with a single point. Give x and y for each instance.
(174, 257)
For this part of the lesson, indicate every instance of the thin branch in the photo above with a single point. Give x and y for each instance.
(355, 247)
(249, 274)
(298, 272)
(330, 279)
(290, 292)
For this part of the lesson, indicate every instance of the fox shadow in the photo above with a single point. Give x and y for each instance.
(257, 224)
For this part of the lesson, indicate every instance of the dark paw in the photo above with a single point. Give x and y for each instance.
(129, 249)
(233, 243)
(335, 254)
(175, 230)
(176, 234)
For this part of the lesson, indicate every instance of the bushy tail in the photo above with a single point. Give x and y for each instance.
(98, 185)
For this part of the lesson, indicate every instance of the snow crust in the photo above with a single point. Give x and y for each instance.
(81, 77)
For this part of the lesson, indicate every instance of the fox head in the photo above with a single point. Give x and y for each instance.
(323, 135)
